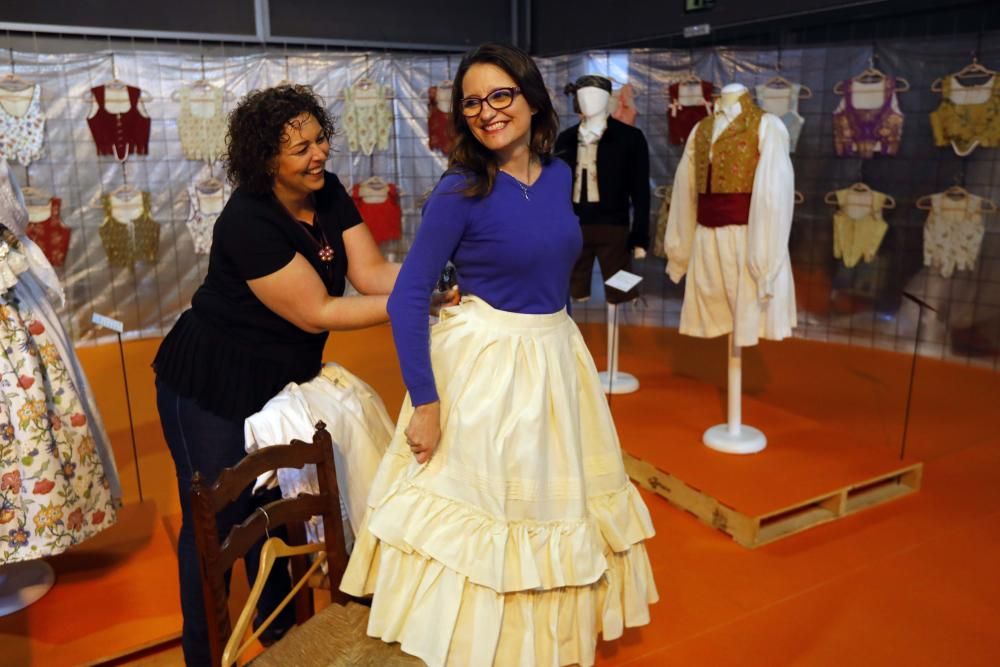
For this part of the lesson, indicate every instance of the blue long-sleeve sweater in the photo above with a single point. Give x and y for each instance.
(513, 252)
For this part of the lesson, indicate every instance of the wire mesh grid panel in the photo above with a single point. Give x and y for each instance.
(859, 305)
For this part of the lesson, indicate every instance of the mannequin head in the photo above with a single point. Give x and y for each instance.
(591, 95)
(593, 101)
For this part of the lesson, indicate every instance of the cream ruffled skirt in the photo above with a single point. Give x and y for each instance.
(522, 538)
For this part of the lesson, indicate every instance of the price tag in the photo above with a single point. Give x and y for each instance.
(623, 280)
(107, 322)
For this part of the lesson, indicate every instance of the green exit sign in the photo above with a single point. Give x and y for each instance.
(697, 5)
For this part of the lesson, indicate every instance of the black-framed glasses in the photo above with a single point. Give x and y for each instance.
(501, 98)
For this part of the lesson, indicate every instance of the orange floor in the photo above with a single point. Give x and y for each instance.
(912, 581)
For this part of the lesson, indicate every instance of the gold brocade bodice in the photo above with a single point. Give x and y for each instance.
(734, 154)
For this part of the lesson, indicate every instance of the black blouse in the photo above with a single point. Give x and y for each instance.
(229, 352)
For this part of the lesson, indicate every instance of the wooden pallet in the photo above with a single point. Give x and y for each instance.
(753, 531)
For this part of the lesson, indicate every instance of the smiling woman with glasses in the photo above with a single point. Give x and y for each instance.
(499, 99)
(502, 529)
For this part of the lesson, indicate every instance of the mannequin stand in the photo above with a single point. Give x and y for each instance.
(735, 437)
(22, 584)
(613, 380)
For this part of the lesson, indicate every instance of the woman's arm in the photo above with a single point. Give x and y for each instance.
(367, 269)
(444, 219)
(296, 293)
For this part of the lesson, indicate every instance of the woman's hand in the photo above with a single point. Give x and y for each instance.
(441, 300)
(424, 431)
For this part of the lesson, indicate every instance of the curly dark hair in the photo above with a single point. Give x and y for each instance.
(470, 155)
(257, 128)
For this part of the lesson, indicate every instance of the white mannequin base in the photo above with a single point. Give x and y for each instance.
(22, 584)
(747, 440)
(625, 383)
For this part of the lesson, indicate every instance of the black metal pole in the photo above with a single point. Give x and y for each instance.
(131, 425)
(921, 306)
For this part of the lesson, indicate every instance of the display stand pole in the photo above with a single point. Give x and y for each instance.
(921, 305)
(734, 437)
(118, 327)
(131, 423)
(613, 380)
(22, 584)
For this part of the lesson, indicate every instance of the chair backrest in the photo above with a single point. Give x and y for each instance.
(216, 557)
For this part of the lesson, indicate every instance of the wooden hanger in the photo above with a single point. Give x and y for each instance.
(375, 182)
(779, 82)
(872, 74)
(799, 197)
(973, 69)
(956, 193)
(11, 82)
(859, 187)
(33, 196)
(210, 184)
(273, 549)
(202, 85)
(117, 84)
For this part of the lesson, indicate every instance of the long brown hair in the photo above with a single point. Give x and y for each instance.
(468, 154)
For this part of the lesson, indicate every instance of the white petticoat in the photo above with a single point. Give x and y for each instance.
(522, 538)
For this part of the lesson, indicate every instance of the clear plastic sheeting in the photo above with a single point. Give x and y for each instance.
(859, 306)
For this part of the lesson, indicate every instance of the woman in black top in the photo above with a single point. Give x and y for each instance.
(281, 250)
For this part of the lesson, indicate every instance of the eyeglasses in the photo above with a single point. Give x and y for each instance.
(501, 98)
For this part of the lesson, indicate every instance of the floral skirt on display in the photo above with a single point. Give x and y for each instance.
(54, 492)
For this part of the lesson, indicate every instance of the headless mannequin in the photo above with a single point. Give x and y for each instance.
(734, 437)
(731, 93)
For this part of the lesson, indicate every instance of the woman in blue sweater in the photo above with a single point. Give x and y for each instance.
(502, 529)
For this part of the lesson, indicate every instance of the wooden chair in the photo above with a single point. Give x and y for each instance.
(336, 636)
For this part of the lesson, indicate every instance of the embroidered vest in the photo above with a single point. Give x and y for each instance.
(734, 154)
(126, 132)
(128, 242)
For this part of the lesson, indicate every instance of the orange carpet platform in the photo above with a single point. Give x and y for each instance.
(912, 580)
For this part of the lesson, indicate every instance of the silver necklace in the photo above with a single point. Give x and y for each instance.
(524, 188)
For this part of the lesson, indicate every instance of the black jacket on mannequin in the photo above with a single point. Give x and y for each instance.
(622, 179)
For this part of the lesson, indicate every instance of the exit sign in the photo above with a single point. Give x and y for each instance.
(697, 5)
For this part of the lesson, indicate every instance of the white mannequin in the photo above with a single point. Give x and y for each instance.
(594, 106)
(734, 437)
(593, 103)
(594, 109)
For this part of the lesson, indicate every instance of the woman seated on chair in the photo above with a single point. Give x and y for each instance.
(282, 249)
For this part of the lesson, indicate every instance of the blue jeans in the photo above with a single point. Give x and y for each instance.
(200, 441)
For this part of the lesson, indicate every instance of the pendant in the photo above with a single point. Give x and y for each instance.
(524, 191)
(326, 254)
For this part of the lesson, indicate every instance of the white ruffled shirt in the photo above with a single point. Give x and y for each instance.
(739, 277)
(356, 420)
(586, 160)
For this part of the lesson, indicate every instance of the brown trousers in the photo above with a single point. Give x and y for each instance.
(609, 245)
